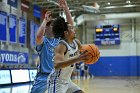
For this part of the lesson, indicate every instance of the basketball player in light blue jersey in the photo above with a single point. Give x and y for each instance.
(66, 55)
(45, 47)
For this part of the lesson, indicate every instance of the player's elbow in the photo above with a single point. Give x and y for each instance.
(56, 66)
(39, 39)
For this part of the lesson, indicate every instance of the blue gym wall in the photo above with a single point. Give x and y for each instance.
(116, 66)
(117, 60)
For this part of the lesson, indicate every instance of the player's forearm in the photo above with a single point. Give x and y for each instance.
(41, 29)
(69, 62)
(68, 15)
(40, 32)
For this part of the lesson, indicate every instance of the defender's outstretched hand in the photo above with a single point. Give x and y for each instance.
(62, 3)
(48, 16)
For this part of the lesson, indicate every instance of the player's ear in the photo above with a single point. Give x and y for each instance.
(66, 32)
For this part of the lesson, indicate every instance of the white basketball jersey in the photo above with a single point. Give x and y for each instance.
(59, 81)
(65, 73)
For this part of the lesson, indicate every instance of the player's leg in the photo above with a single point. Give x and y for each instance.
(57, 87)
(73, 88)
(40, 84)
(46, 91)
(82, 74)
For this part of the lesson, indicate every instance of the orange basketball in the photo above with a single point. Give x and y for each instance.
(93, 53)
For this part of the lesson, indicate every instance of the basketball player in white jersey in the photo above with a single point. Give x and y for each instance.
(66, 55)
(45, 47)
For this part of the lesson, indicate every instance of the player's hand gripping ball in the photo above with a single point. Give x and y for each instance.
(93, 51)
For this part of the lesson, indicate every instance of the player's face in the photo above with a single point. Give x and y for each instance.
(71, 31)
(49, 28)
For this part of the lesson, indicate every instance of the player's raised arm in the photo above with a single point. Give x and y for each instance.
(42, 28)
(63, 4)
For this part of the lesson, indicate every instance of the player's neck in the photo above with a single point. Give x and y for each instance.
(49, 36)
(69, 41)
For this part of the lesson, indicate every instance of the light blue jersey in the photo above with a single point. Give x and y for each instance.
(46, 54)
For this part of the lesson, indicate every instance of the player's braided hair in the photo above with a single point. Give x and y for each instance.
(59, 26)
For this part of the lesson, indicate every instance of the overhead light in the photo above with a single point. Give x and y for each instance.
(111, 7)
(90, 8)
(120, 6)
(129, 5)
(128, 1)
(96, 5)
(108, 3)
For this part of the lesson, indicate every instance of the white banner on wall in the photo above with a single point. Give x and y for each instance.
(12, 28)
(19, 76)
(33, 28)
(22, 31)
(5, 77)
(33, 73)
(3, 25)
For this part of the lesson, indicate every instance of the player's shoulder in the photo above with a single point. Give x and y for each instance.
(62, 46)
(63, 43)
(78, 43)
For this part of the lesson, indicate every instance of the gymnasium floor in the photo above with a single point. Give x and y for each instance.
(110, 85)
(95, 85)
